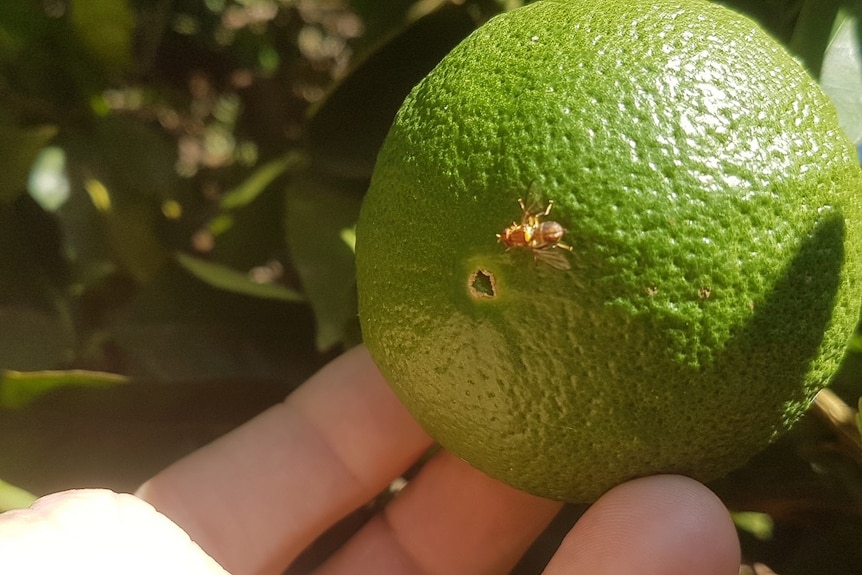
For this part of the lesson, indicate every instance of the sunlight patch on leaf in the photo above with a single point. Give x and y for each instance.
(48, 183)
(251, 188)
(99, 194)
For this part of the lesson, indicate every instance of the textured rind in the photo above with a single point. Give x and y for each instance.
(712, 202)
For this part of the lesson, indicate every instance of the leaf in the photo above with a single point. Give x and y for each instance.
(777, 17)
(181, 329)
(812, 31)
(127, 170)
(19, 389)
(379, 19)
(18, 150)
(349, 125)
(251, 188)
(32, 264)
(12, 497)
(231, 280)
(130, 234)
(105, 28)
(760, 525)
(321, 212)
(841, 76)
(133, 158)
(132, 237)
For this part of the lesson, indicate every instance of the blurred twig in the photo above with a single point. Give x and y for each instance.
(841, 419)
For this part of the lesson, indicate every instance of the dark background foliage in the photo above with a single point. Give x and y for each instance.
(179, 183)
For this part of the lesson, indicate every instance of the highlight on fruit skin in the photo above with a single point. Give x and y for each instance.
(712, 204)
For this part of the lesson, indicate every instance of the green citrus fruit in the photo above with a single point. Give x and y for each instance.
(711, 207)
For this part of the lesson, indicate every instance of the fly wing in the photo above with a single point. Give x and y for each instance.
(553, 257)
(534, 202)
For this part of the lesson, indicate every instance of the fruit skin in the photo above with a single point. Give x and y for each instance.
(712, 202)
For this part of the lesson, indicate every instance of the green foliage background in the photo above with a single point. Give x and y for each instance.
(179, 182)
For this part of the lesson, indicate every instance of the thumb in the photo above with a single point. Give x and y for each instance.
(97, 532)
(659, 525)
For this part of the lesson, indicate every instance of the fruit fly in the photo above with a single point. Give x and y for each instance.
(541, 236)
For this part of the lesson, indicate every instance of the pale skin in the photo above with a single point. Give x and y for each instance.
(250, 502)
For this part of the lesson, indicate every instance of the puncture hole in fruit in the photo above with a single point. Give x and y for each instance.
(482, 284)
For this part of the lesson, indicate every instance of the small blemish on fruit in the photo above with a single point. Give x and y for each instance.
(482, 284)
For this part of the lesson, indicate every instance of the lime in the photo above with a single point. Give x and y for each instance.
(710, 202)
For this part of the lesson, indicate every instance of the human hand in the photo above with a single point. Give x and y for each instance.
(254, 499)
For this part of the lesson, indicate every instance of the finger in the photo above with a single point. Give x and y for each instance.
(97, 532)
(256, 497)
(450, 520)
(660, 525)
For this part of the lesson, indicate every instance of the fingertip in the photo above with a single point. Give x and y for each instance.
(658, 525)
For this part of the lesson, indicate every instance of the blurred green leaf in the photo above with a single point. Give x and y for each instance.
(36, 327)
(252, 236)
(320, 208)
(32, 266)
(83, 239)
(18, 150)
(134, 159)
(20, 389)
(56, 56)
(231, 280)
(122, 172)
(105, 28)
(132, 240)
(251, 188)
(12, 497)
(841, 75)
(19, 24)
(132, 237)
